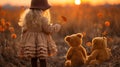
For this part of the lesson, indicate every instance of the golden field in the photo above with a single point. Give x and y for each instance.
(90, 20)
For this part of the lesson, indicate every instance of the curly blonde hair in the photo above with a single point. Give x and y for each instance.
(33, 15)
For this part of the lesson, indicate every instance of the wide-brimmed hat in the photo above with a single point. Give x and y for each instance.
(40, 4)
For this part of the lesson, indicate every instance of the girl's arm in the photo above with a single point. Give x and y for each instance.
(48, 28)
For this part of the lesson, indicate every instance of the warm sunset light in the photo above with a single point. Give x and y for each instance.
(77, 2)
(60, 2)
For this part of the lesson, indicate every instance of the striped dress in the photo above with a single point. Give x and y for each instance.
(37, 40)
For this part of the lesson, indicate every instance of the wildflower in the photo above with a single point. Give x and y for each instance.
(64, 18)
(84, 33)
(104, 33)
(13, 36)
(1, 29)
(11, 29)
(107, 23)
(8, 24)
(3, 22)
(89, 44)
(100, 15)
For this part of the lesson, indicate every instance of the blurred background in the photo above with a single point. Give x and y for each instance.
(90, 17)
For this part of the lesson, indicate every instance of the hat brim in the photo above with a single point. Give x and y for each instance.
(40, 8)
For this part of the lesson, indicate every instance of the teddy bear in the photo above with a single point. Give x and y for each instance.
(76, 54)
(100, 52)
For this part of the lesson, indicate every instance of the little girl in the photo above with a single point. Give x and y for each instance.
(37, 42)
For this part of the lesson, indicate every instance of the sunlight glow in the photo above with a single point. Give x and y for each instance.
(77, 2)
(60, 2)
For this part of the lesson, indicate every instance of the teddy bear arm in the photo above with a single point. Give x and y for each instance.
(69, 54)
(109, 54)
(109, 51)
(84, 53)
(92, 56)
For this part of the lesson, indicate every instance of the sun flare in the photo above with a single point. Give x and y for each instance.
(77, 2)
(60, 2)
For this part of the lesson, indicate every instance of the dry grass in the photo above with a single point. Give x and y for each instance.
(92, 21)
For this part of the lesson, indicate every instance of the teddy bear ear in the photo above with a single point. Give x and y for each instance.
(104, 38)
(67, 38)
(80, 35)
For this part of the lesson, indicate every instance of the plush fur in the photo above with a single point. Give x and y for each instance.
(100, 52)
(76, 54)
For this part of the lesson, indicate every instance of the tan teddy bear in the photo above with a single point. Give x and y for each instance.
(100, 52)
(76, 54)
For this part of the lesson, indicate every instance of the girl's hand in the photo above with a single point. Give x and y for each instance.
(57, 27)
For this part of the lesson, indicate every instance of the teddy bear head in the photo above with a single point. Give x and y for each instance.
(99, 43)
(74, 40)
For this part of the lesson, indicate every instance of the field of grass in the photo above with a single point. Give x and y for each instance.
(92, 21)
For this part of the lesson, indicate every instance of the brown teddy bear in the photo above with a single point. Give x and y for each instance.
(76, 54)
(100, 52)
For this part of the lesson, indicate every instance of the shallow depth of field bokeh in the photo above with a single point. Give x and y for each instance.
(92, 21)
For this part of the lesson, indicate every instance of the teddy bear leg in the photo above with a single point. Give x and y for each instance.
(68, 63)
(92, 62)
